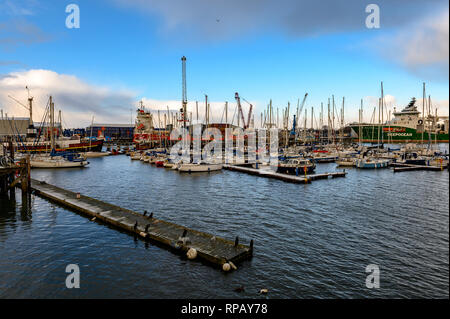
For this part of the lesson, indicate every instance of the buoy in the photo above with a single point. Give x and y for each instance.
(93, 218)
(143, 234)
(264, 291)
(191, 253)
(226, 267)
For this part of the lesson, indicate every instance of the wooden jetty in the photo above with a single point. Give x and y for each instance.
(214, 250)
(301, 179)
(399, 167)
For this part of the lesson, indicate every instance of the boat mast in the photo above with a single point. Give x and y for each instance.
(90, 139)
(52, 123)
(423, 111)
(360, 120)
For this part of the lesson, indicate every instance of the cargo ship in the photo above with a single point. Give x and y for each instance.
(145, 134)
(407, 126)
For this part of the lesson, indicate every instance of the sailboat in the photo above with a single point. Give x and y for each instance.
(54, 159)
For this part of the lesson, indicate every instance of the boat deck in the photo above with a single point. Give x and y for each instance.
(214, 250)
(301, 179)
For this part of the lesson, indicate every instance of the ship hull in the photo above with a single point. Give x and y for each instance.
(395, 134)
(85, 146)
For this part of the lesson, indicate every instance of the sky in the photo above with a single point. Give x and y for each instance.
(125, 51)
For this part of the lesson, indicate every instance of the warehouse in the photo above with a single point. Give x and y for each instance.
(111, 131)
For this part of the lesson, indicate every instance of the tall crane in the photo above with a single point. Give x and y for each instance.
(241, 113)
(300, 107)
(184, 95)
(31, 131)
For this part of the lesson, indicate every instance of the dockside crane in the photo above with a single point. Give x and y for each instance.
(184, 94)
(300, 107)
(240, 111)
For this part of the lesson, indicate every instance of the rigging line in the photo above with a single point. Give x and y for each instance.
(232, 121)
(46, 111)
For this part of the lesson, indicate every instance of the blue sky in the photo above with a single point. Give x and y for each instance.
(135, 48)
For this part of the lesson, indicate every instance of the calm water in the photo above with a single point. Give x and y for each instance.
(311, 241)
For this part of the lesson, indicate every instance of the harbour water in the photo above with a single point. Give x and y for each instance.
(311, 241)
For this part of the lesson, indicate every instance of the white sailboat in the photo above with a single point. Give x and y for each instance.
(55, 162)
(200, 167)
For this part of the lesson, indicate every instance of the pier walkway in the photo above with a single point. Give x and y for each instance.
(301, 179)
(214, 250)
(398, 167)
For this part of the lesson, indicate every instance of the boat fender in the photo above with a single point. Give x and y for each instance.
(226, 267)
(191, 253)
(232, 265)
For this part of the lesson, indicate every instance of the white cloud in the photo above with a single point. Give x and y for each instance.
(422, 47)
(215, 20)
(80, 100)
(77, 99)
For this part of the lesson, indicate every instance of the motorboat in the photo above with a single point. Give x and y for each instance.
(371, 162)
(296, 166)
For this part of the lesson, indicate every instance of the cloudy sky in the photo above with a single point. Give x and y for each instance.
(128, 50)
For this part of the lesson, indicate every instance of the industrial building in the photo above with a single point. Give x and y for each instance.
(114, 132)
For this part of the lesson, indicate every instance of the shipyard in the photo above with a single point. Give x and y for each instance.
(170, 165)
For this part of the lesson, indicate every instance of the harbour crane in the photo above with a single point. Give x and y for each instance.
(300, 108)
(241, 113)
(184, 94)
(31, 131)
